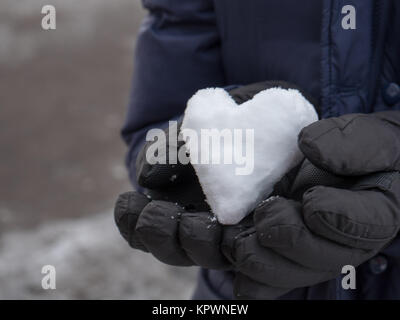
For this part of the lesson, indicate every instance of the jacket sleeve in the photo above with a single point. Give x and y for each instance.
(177, 53)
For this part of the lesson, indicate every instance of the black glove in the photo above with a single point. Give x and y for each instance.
(305, 242)
(173, 221)
(173, 200)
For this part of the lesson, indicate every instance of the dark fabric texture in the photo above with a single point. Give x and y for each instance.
(291, 248)
(306, 242)
(354, 144)
(186, 47)
(127, 210)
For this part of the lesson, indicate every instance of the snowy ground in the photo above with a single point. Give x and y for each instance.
(63, 96)
(91, 261)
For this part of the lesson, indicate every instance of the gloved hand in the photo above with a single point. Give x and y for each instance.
(175, 225)
(150, 222)
(308, 241)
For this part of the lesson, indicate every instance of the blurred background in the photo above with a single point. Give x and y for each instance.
(63, 96)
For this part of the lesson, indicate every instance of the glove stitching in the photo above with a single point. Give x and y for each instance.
(293, 226)
(250, 261)
(319, 161)
(337, 127)
(353, 237)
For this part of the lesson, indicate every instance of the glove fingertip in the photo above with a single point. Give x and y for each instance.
(130, 202)
(201, 236)
(121, 207)
(157, 228)
(126, 213)
(278, 223)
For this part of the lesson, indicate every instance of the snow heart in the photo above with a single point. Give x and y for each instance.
(275, 115)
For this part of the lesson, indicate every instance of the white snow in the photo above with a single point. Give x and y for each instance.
(277, 115)
(92, 261)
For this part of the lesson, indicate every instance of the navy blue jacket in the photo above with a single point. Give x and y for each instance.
(187, 45)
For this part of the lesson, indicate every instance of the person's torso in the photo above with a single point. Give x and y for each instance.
(348, 70)
(304, 42)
